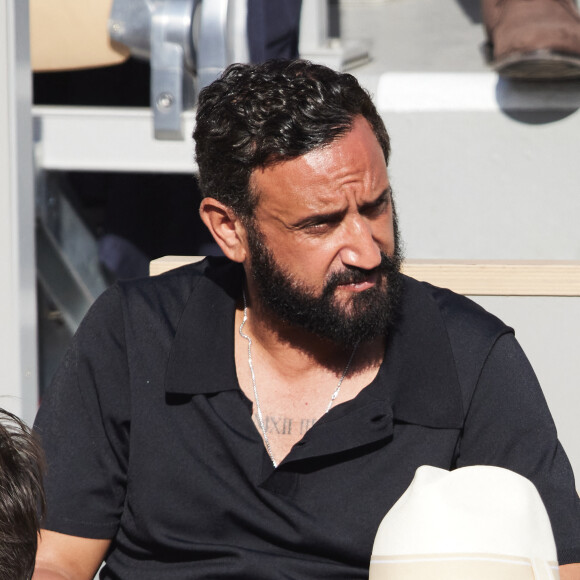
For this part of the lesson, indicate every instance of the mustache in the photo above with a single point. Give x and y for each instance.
(354, 275)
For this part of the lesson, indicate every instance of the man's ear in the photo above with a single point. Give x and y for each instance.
(225, 227)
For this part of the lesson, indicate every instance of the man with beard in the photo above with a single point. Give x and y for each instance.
(255, 416)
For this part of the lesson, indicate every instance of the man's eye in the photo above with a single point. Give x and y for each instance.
(317, 227)
(377, 209)
(321, 227)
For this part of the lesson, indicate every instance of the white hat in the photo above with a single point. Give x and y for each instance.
(473, 523)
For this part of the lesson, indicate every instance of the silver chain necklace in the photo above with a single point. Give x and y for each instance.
(255, 388)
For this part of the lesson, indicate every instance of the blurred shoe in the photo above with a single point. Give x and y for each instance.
(533, 39)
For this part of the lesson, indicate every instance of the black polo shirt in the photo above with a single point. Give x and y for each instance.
(150, 441)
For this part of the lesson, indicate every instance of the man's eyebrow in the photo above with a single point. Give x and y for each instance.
(333, 216)
(319, 218)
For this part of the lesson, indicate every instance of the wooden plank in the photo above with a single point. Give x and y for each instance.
(500, 278)
(471, 277)
(166, 263)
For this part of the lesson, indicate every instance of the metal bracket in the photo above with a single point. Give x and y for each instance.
(213, 41)
(189, 43)
(161, 31)
(172, 66)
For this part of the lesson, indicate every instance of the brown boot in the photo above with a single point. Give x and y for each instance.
(533, 39)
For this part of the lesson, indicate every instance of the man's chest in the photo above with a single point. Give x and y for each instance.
(285, 406)
(219, 487)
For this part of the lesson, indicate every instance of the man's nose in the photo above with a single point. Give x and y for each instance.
(360, 249)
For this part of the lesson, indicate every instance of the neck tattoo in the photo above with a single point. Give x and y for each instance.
(255, 388)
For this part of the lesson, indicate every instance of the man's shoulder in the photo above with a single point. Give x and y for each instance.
(469, 331)
(438, 347)
(460, 314)
(212, 274)
(162, 299)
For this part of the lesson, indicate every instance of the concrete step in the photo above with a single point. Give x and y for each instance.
(482, 167)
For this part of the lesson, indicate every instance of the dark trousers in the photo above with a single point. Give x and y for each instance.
(273, 27)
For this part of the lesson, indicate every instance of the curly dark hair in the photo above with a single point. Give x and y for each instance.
(21, 497)
(254, 116)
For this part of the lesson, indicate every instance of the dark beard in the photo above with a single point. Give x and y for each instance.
(368, 314)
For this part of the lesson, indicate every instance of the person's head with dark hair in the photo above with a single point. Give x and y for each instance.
(21, 497)
(293, 163)
(254, 116)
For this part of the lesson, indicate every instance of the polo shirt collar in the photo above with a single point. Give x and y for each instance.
(417, 380)
(419, 364)
(202, 358)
